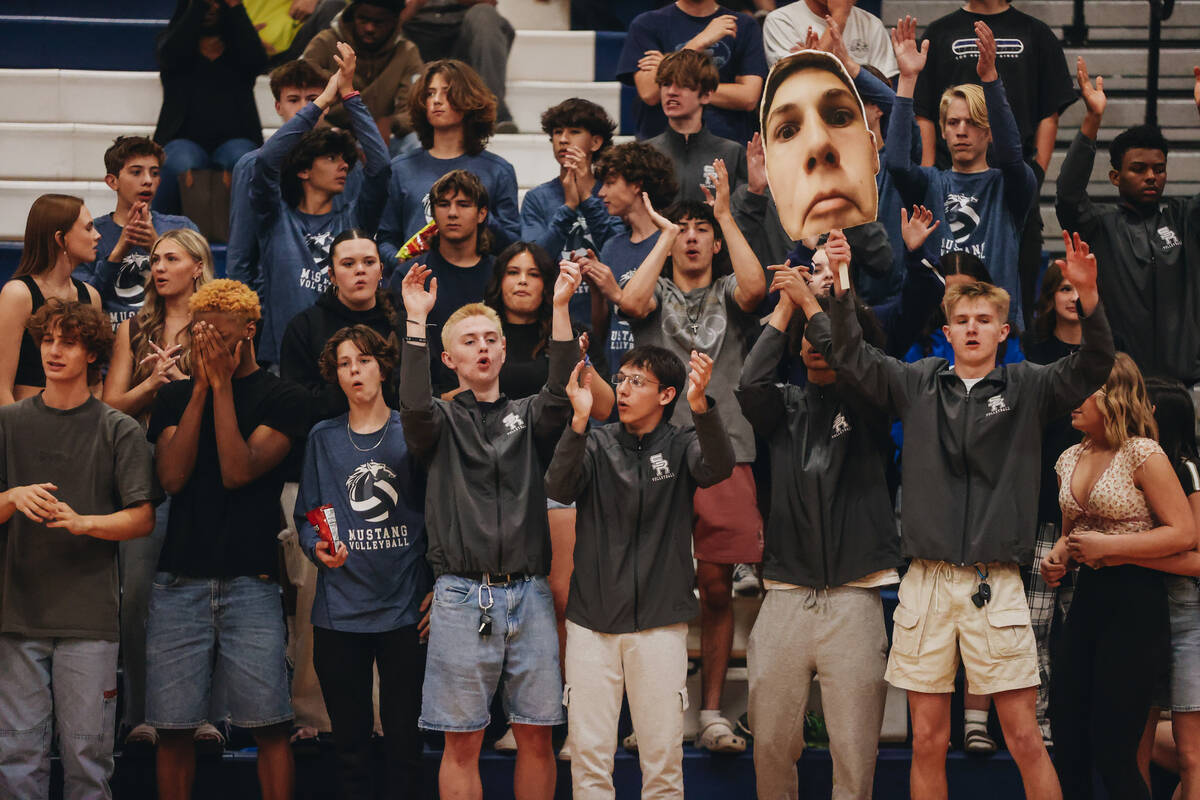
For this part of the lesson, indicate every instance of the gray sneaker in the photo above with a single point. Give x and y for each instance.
(745, 580)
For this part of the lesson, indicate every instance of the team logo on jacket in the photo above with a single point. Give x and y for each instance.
(996, 405)
(662, 470)
(840, 425)
(372, 491)
(1169, 239)
(513, 423)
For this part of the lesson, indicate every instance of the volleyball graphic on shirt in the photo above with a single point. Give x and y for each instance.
(130, 282)
(372, 492)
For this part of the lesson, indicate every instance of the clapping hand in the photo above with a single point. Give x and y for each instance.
(700, 366)
(916, 229)
(579, 392)
(720, 200)
(665, 225)
(985, 67)
(756, 165)
(346, 61)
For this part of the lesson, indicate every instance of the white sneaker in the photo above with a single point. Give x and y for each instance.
(506, 743)
(564, 752)
(745, 580)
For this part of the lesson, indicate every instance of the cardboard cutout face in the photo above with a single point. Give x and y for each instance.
(820, 156)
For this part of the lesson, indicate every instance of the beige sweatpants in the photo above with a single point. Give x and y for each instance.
(838, 636)
(651, 667)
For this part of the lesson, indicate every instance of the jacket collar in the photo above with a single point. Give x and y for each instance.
(466, 398)
(998, 375)
(631, 442)
(689, 141)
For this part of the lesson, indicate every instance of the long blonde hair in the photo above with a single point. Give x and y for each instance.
(151, 319)
(1125, 404)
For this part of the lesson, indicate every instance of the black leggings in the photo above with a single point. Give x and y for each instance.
(1114, 647)
(343, 662)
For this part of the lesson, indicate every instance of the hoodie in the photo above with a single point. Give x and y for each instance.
(384, 75)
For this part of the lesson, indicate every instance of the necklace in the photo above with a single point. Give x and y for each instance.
(350, 436)
(694, 319)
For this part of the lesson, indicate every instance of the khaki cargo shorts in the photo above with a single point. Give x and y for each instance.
(936, 622)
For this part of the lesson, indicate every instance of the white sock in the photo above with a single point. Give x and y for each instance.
(708, 715)
(974, 719)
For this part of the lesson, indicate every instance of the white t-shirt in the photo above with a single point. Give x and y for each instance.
(865, 37)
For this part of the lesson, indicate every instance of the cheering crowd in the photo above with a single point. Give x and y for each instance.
(501, 453)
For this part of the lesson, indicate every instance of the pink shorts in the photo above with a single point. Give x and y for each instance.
(727, 527)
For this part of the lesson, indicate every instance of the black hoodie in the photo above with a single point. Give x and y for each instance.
(831, 519)
(305, 338)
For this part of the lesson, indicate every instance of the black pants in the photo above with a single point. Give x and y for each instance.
(343, 662)
(1115, 646)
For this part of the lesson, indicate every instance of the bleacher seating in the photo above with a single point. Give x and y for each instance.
(66, 90)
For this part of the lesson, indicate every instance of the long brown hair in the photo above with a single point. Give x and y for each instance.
(1125, 404)
(468, 95)
(1044, 315)
(49, 215)
(151, 321)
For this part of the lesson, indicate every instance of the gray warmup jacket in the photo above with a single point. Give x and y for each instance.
(485, 510)
(1146, 271)
(633, 525)
(831, 519)
(972, 462)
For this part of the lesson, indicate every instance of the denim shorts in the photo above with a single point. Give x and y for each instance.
(520, 657)
(1183, 601)
(202, 632)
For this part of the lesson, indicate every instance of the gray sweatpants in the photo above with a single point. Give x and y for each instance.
(838, 636)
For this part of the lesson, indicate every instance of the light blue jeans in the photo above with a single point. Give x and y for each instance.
(184, 154)
(64, 684)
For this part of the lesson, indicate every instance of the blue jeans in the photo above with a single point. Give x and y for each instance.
(68, 685)
(520, 658)
(228, 632)
(184, 154)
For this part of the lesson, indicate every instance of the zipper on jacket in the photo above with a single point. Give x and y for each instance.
(962, 559)
(637, 528)
(496, 477)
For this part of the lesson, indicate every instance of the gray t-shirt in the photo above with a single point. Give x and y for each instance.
(52, 583)
(709, 321)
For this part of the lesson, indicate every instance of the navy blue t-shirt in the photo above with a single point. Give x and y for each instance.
(623, 256)
(668, 29)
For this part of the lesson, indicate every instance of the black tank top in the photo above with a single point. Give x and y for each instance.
(29, 364)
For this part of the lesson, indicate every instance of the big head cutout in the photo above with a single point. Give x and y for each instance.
(821, 158)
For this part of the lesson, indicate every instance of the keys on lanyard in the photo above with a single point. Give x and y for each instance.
(485, 619)
(984, 593)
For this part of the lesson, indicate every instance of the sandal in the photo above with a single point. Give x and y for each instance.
(209, 740)
(978, 743)
(718, 737)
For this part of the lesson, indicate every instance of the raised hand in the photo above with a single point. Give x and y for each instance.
(833, 43)
(916, 229)
(756, 165)
(909, 57)
(331, 558)
(700, 366)
(346, 61)
(36, 501)
(418, 301)
(1079, 267)
(579, 392)
(837, 248)
(811, 40)
(985, 67)
(719, 202)
(329, 94)
(567, 282)
(665, 225)
(1093, 96)
(792, 283)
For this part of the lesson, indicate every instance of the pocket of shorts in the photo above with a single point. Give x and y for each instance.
(906, 631)
(1182, 591)
(1009, 633)
(165, 580)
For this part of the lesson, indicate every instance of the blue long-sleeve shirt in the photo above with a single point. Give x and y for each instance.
(568, 232)
(981, 213)
(378, 496)
(294, 246)
(122, 285)
(241, 253)
(408, 208)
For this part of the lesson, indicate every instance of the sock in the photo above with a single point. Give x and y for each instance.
(708, 715)
(974, 719)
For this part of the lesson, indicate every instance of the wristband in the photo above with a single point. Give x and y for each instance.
(416, 340)
(347, 96)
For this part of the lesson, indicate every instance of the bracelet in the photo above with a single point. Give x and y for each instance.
(347, 96)
(416, 339)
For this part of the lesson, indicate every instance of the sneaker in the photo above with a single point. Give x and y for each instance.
(745, 580)
(506, 743)
(564, 752)
(718, 737)
(630, 742)
(976, 742)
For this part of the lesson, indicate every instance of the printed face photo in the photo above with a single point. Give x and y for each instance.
(821, 158)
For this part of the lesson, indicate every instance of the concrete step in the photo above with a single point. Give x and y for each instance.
(1108, 20)
(134, 98)
(1125, 69)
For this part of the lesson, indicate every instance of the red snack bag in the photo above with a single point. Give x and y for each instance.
(418, 243)
(323, 519)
